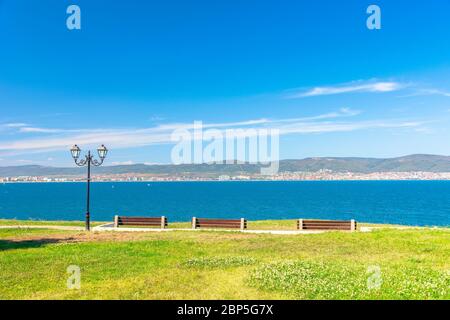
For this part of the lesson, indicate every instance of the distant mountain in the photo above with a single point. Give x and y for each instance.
(418, 162)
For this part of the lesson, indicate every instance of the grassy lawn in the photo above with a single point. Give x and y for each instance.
(12, 222)
(413, 264)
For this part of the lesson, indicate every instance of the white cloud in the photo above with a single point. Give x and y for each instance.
(123, 163)
(11, 126)
(439, 92)
(38, 130)
(15, 125)
(338, 121)
(426, 92)
(425, 130)
(358, 86)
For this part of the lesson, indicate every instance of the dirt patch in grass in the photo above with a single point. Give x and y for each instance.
(75, 237)
(66, 236)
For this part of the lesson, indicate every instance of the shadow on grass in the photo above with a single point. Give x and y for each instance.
(29, 244)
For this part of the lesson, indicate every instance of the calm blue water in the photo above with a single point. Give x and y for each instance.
(400, 202)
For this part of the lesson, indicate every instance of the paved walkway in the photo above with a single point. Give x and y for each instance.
(110, 227)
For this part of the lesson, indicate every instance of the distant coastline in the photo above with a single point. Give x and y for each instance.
(403, 176)
(411, 167)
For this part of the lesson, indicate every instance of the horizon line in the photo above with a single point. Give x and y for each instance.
(236, 161)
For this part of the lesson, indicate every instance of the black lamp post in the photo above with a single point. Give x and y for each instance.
(88, 161)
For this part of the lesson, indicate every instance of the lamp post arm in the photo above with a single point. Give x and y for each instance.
(97, 163)
(82, 162)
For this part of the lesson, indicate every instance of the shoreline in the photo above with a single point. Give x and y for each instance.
(243, 180)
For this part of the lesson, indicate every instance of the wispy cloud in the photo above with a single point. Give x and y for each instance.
(123, 163)
(428, 92)
(437, 92)
(338, 121)
(39, 130)
(15, 125)
(155, 164)
(356, 86)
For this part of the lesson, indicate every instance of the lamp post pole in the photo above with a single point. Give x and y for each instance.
(88, 161)
(88, 196)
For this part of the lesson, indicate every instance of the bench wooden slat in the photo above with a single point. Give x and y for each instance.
(218, 220)
(325, 228)
(141, 221)
(219, 226)
(225, 225)
(326, 221)
(326, 225)
(304, 224)
(219, 223)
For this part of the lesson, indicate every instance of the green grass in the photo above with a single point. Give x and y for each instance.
(14, 233)
(12, 222)
(210, 263)
(414, 264)
(324, 280)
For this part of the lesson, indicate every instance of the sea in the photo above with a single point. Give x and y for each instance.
(414, 203)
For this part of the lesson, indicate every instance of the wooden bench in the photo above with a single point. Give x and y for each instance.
(303, 224)
(219, 223)
(141, 221)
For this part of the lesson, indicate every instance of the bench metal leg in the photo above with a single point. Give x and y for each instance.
(352, 225)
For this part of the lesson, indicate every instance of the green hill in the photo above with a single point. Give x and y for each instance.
(418, 162)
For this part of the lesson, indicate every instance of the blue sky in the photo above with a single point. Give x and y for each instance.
(136, 71)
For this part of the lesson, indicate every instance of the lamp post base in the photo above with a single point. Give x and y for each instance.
(88, 222)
